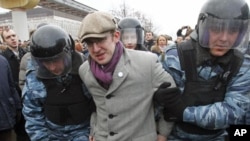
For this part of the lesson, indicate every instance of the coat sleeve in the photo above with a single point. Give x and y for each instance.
(164, 128)
(33, 99)
(218, 115)
(233, 110)
(159, 76)
(92, 124)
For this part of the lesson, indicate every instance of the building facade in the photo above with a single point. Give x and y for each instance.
(70, 23)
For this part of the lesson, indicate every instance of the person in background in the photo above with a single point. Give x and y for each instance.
(121, 83)
(179, 39)
(160, 45)
(25, 58)
(56, 104)
(20, 43)
(187, 29)
(170, 41)
(14, 54)
(149, 40)
(188, 33)
(212, 75)
(132, 33)
(79, 48)
(85, 49)
(10, 107)
(25, 45)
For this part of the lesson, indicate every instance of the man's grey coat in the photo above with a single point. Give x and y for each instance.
(125, 111)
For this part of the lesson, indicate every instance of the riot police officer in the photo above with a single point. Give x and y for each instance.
(57, 106)
(212, 73)
(132, 33)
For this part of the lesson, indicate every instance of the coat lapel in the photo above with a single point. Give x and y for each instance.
(119, 74)
(93, 85)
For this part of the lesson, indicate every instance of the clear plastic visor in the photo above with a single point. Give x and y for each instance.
(224, 33)
(52, 67)
(132, 35)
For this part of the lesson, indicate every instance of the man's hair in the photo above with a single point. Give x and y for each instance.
(150, 32)
(4, 30)
(31, 32)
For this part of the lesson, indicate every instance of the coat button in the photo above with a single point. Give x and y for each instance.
(120, 74)
(112, 133)
(108, 96)
(111, 116)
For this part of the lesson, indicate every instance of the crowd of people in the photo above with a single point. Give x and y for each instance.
(117, 82)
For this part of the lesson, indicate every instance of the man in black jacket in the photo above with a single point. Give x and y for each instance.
(10, 107)
(149, 40)
(14, 54)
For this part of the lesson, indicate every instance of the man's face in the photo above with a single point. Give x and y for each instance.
(10, 38)
(149, 36)
(129, 39)
(179, 40)
(101, 50)
(55, 66)
(220, 42)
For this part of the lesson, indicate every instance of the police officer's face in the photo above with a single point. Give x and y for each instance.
(129, 39)
(55, 66)
(101, 50)
(220, 42)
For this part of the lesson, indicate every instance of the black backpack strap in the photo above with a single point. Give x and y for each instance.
(186, 52)
(234, 66)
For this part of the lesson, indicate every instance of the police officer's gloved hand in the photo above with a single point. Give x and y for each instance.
(171, 100)
(170, 117)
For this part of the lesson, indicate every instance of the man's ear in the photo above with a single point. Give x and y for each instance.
(116, 36)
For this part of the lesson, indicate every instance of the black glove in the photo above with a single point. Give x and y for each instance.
(170, 117)
(171, 100)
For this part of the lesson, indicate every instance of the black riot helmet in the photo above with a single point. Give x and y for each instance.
(219, 16)
(50, 44)
(130, 24)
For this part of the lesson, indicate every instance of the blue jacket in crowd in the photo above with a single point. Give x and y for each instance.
(10, 102)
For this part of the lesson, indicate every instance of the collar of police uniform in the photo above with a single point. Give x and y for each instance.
(203, 55)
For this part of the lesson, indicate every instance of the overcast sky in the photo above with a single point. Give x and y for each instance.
(167, 15)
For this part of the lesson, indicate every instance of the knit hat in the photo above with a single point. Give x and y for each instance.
(96, 25)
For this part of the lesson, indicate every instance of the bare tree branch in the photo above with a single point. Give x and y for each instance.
(125, 11)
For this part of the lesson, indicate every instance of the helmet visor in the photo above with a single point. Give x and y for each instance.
(223, 33)
(52, 67)
(132, 35)
(129, 35)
